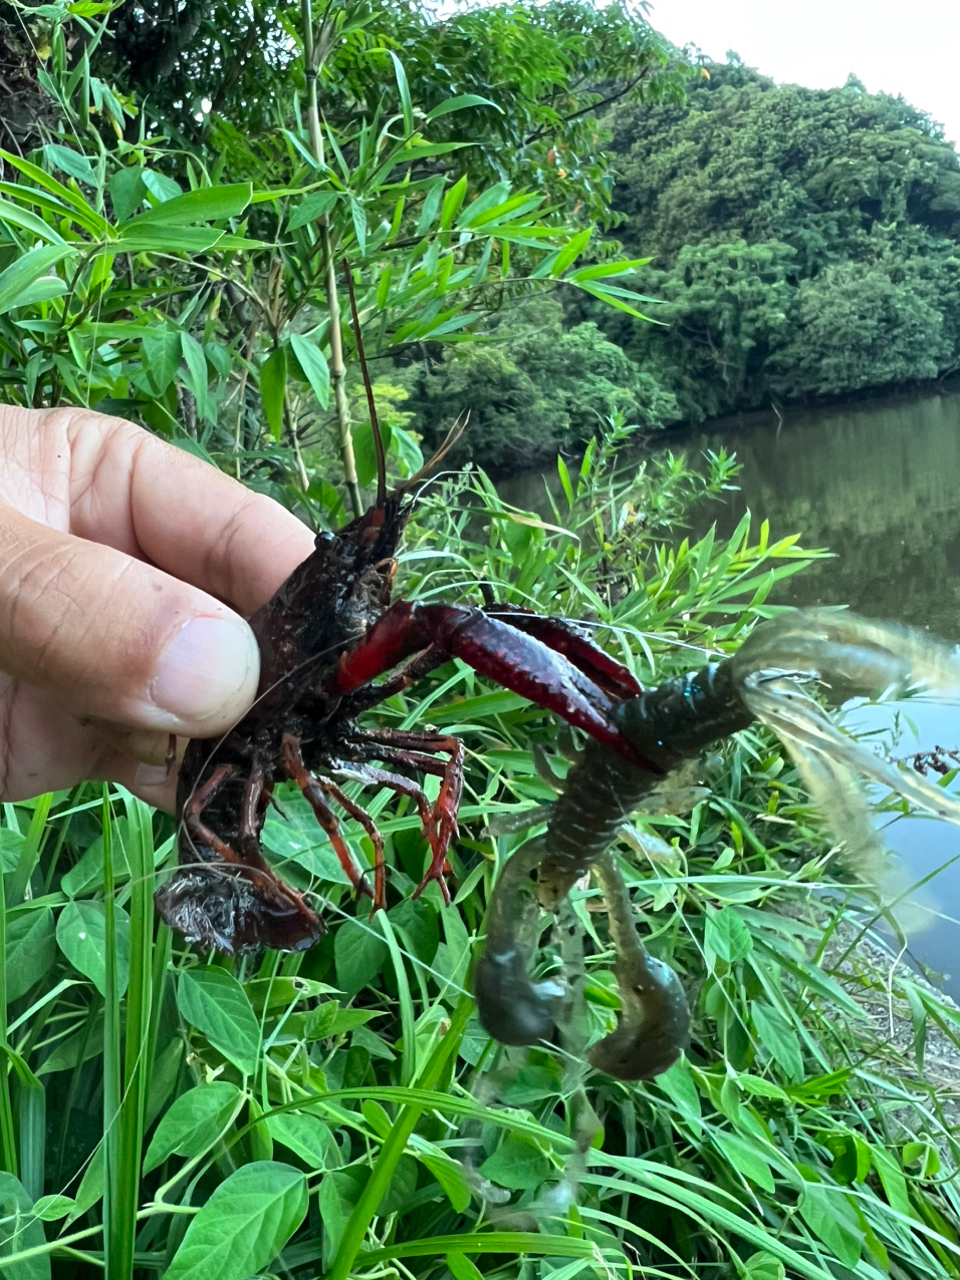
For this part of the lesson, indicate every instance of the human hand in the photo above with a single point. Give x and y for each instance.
(126, 569)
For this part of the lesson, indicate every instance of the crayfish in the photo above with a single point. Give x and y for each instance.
(334, 645)
(326, 638)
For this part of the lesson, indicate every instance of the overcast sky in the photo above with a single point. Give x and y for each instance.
(909, 49)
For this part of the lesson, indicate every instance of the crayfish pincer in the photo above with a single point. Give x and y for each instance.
(660, 729)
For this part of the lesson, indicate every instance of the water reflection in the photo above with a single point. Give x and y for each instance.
(879, 485)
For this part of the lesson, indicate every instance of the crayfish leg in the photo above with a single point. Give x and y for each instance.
(196, 828)
(440, 823)
(370, 827)
(312, 789)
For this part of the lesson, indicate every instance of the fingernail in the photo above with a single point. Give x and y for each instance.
(209, 665)
(150, 777)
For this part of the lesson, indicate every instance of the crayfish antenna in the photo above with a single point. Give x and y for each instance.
(368, 390)
(444, 447)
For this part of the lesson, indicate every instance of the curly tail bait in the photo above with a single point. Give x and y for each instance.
(665, 726)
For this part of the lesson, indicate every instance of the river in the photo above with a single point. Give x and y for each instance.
(878, 484)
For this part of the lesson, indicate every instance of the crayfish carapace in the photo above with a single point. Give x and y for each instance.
(665, 726)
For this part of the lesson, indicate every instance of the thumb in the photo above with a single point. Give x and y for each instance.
(111, 637)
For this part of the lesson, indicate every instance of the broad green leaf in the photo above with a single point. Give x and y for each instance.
(213, 1001)
(77, 208)
(360, 954)
(336, 1199)
(127, 191)
(194, 1122)
(88, 872)
(273, 380)
(517, 1165)
(160, 185)
(779, 1038)
(71, 162)
(14, 215)
(364, 452)
(312, 207)
(462, 1267)
(196, 376)
(743, 1155)
(159, 238)
(53, 1208)
(27, 270)
(82, 937)
(31, 950)
(244, 1225)
(21, 1229)
(830, 1216)
(727, 936)
(763, 1266)
(450, 1175)
(307, 1137)
(11, 844)
(43, 290)
(313, 365)
(161, 356)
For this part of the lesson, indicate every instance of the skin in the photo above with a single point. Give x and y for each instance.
(127, 568)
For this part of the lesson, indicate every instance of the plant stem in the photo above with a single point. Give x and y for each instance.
(313, 54)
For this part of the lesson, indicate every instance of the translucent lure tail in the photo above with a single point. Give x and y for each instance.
(860, 655)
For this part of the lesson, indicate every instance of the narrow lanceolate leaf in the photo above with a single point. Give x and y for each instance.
(208, 204)
(273, 377)
(313, 365)
(27, 270)
(403, 89)
(460, 103)
(244, 1224)
(213, 1002)
(81, 933)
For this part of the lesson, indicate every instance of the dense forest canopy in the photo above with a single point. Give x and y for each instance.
(804, 243)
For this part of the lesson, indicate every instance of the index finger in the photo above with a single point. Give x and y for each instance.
(146, 497)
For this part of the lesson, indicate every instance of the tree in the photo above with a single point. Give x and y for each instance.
(535, 388)
(804, 240)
